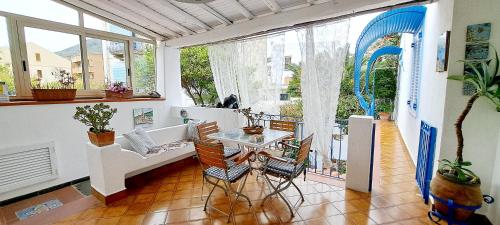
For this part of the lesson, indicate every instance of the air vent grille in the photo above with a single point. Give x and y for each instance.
(26, 165)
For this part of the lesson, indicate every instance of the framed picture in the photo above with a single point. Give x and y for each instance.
(475, 51)
(478, 32)
(143, 117)
(443, 49)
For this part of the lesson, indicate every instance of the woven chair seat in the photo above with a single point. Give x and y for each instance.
(230, 152)
(234, 172)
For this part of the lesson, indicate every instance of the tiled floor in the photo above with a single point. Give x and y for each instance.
(65, 195)
(175, 198)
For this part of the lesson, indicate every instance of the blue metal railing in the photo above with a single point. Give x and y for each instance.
(425, 161)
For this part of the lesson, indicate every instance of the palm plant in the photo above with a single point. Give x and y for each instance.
(486, 80)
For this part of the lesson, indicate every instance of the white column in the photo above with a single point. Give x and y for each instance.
(172, 76)
(359, 155)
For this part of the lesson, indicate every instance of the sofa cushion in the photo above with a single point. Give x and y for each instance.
(193, 129)
(140, 141)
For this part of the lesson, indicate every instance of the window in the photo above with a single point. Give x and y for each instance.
(50, 40)
(416, 73)
(98, 24)
(6, 72)
(43, 9)
(144, 79)
(58, 56)
(106, 62)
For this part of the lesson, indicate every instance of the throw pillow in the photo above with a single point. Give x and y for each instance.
(193, 129)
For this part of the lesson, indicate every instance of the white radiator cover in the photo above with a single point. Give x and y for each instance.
(23, 166)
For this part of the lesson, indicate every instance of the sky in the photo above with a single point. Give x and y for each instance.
(56, 12)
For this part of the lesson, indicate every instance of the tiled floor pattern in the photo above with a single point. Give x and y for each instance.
(175, 198)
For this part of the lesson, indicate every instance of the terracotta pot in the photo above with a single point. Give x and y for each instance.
(102, 139)
(384, 115)
(253, 130)
(53, 94)
(463, 194)
(127, 94)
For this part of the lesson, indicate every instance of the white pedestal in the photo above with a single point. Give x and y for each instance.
(360, 153)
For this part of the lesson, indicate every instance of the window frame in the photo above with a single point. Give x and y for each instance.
(416, 73)
(17, 45)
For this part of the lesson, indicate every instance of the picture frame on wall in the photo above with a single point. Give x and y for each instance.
(478, 32)
(143, 117)
(477, 51)
(443, 50)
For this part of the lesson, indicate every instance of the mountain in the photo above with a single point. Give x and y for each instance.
(94, 46)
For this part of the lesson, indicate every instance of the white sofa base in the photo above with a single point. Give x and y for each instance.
(110, 165)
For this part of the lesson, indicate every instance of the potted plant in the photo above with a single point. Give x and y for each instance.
(253, 121)
(97, 118)
(119, 90)
(454, 180)
(384, 109)
(62, 90)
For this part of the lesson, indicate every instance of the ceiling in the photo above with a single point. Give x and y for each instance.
(185, 24)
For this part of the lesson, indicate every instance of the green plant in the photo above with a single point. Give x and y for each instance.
(65, 80)
(96, 117)
(486, 80)
(385, 105)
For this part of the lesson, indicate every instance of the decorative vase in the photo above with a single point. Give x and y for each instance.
(124, 95)
(253, 130)
(53, 94)
(463, 194)
(102, 139)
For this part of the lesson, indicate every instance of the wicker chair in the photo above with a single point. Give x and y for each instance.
(286, 169)
(210, 128)
(216, 169)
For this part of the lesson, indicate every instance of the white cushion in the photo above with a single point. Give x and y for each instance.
(140, 141)
(192, 132)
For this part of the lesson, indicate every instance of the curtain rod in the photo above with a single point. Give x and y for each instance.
(316, 22)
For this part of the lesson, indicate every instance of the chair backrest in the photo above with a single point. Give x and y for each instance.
(305, 147)
(210, 154)
(282, 125)
(207, 129)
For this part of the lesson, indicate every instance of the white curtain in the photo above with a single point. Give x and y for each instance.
(225, 67)
(323, 50)
(252, 69)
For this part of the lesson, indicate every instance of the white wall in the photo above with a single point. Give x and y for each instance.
(226, 118)
(482, 125)
(432, 85)
(26, 125)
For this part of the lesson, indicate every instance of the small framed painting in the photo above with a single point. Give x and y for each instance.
(143, 117)
(475, 51)
(443, 49)
(478, 32)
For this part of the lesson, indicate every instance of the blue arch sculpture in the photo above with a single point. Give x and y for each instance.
(403, 20)
(387, 50)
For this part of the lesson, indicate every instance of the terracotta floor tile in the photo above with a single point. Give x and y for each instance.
(177, 216)
(108, 221)
(115, 211)
(137, 209)
(131, 220)
(154, 218)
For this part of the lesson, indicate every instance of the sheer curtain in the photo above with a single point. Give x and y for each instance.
(323, 50)
(252, 69)
(225, 67)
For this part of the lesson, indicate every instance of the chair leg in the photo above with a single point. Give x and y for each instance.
(277, 191)
(210, 194)
(298, 189)
(237, 193)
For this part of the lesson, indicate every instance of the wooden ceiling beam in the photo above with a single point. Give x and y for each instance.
(152, 15)
(166, 4)
(215, 14)
(273, 5)
(132, 16)
(242, 9)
